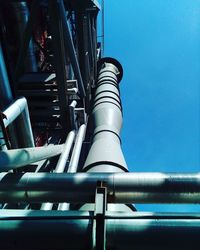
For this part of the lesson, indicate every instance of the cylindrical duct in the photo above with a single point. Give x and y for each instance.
(51, 230)
(105, 154)
(14, 158)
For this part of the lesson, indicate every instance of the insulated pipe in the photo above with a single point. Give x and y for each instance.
(61, 164)
(20, 109)
(57, 229)
(73, 164)
(71, 49)
(125, 188)
(105, 154)
(73, 116)
(15, 158)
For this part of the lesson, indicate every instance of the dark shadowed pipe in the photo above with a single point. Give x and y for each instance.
(22, 16)
(57, 229)
(125, 188)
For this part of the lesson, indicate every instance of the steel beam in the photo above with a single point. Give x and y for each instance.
(60, 62)
(70, 47)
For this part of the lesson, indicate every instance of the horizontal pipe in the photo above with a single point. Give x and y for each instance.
(124, 188)
(50, 229)
(14, 158)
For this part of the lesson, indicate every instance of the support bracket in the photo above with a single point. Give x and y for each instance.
(99, 226)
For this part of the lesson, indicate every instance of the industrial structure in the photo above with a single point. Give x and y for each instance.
(64, 182)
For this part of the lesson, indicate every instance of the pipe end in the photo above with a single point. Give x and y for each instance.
(115, 63)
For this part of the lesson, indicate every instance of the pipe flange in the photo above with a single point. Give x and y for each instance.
(115, 63)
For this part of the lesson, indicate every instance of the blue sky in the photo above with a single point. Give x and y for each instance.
(158, 45)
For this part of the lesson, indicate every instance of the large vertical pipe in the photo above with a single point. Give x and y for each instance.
(105, 154)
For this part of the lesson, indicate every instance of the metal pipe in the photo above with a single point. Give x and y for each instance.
(125, 188)
(20, 109)
(105, 154)
(50, 229)
(14, 158)
(71, 49)
(72, 112)
(61, 164)
(6, 97)
(73, 164)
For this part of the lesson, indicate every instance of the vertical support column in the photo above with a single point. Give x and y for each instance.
(59, 61)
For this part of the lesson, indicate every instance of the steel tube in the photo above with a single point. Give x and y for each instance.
(105, 154)
(124, 188)
(58, 229)
(14, 158)
(73, 164)
(61, 164)
(19, 109)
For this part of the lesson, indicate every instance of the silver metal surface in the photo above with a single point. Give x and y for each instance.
(14, 158)
(73, 164)
(74, 229)
(105, 154)
(19, 109)
(61, 164)
(124, 188)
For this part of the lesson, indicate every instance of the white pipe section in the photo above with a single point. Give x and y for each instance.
(60, 167)
(14, 158)
(61, 164)
(73, 104)
(73, 164)
(16, 109)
